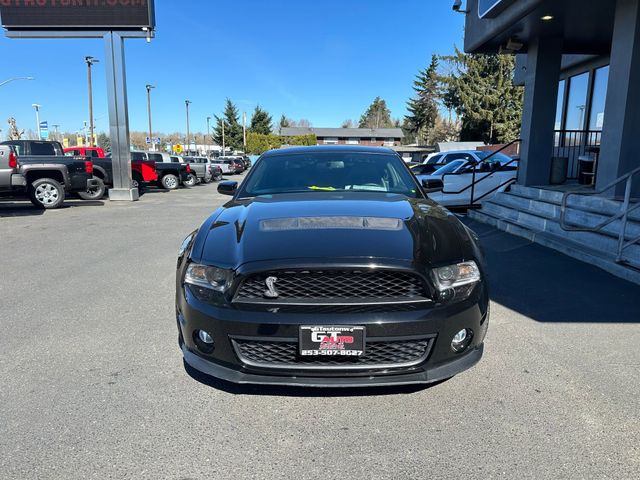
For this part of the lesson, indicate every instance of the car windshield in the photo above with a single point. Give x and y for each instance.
(329, 172)
(449, 168)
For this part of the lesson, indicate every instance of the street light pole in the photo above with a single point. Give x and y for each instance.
(208, 137)
(187, 103)
(37, 107)
(55, 127)
(153, 145)
(4, 82)
(90, 61)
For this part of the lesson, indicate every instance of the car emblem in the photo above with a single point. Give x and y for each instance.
(271, 291)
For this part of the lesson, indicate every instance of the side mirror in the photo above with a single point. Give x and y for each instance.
(430, 185)
(227, 188)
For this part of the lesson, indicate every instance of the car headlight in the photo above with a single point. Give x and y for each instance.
(214, 278)
(456, 282)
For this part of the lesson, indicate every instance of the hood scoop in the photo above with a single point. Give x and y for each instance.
(330, 223)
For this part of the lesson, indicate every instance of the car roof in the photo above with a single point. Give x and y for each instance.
(328, 148)
(458, 151)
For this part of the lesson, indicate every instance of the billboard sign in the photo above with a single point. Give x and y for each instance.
(492, 8)
(44, 130)
(70, 15)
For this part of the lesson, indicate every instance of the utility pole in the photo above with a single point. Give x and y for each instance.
(187, 103)
(208, 136)
(244, 132)
(153, 145)
(37, 108)
(90, 61)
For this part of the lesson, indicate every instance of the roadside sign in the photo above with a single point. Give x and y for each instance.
(44, 130)
(68, 15)
(148, 141)
(65, 142)
(178, 148)
(154, 140)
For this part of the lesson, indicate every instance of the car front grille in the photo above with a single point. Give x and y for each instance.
(333, 287)
(379, 353)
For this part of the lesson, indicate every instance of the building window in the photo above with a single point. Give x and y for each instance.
(559, 104)
(389, 142)
(331, 140)
(598, 98)
(577, 102)
(353, 141)
(372, 139)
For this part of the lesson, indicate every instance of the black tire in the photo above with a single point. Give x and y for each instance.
(169, 182)
(138, 182)
(46, 193)
(94, 193)
(191, 180)
(207, 180)
(217, 178)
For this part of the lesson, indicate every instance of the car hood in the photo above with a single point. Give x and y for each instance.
(330, 226)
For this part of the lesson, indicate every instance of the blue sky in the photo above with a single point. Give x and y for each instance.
(320, 60)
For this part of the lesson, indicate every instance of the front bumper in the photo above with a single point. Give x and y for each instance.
(435, 374)
(227, 324)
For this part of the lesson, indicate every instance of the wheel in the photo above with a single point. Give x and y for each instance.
(136, 182)
(218, 177)
(206, 180)
(191, 180)
(170, 182)
(95, 192)
(46, 193)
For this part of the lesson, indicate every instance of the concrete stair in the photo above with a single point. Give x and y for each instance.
(534, 213)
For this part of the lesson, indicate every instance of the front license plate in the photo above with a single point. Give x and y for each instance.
(332, 340)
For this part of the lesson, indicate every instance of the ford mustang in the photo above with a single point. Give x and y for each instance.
(330, 266)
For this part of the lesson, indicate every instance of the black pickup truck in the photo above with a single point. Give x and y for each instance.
(171, 174)
(49, 174)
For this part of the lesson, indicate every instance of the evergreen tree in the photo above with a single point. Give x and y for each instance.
(284, 122)
(260, 121)
(423, 107)
(377, 115)
(232, 128)
(481, 91)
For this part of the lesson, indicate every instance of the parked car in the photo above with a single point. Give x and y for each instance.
(458, 175)
(143, 172)
(329, 266)
(171, 172)
(235, 165)
(435, 161)
(201, 167)
(226, 166)
(50, 175)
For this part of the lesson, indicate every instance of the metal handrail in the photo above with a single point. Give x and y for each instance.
(622, 215)
(474, 182)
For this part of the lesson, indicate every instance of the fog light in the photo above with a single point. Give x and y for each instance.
(461, 340)
(205, 337)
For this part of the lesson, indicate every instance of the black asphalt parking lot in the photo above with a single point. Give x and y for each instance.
(93, 384)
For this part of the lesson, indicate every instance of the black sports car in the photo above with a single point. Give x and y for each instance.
(331, 267)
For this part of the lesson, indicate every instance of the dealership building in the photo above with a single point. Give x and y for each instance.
(374, 137)
(579, 62)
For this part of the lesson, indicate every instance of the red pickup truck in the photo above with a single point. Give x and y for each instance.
(142, 171)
